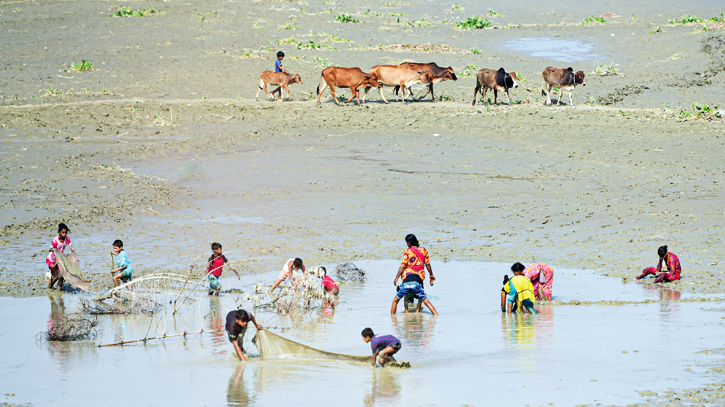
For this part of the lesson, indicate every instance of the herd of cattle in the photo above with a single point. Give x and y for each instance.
(407, 74)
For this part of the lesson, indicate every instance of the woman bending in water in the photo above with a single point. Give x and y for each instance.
(520, 291)
(542, 277)
(673, 267)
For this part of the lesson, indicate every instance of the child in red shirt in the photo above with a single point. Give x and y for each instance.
(214, 268)
(328, 283)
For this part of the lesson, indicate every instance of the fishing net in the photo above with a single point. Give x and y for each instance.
(302, 295)
(348, 271)
(73, 327)
(70, 269)
(273, 346)
(148, 294)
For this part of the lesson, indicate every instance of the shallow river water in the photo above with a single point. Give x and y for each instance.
(471, 354)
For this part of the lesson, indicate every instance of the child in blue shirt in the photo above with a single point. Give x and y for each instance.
(384, 345)
(278, 68)
(124, 270)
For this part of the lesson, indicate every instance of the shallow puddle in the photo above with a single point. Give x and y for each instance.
(566, 355)
(554, 49)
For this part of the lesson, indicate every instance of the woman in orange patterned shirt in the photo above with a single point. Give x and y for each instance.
(415, 260)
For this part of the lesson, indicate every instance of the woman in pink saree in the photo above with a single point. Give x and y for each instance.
(542, 277)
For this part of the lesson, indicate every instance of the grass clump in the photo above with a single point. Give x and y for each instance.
(308, 45)
(51, 92)
(700, 112)
(288, 26)
(346, 18)
(127, 12)
(686, 19)
(655, 30)
(708, 24)
(474, 22)
(605, 70)
(83, 66)
(591, 20)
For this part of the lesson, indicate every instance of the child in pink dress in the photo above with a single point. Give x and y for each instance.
(58, 243)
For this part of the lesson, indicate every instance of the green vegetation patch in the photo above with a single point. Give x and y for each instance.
(83, 66)
(127, 12)
(346, 18)
(592, 20)
(474, 22)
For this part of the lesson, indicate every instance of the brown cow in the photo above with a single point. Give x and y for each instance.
(353, 78)
(436, 73)
(277, 78)
(496, 80)
(397, 75)
(563, 79)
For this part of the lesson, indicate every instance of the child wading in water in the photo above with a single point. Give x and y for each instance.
(236, 327)
(124, 270)
(215, 267)
(520, 291)
(288, 271)
(328, 283)
(384, 345)
(58, 243)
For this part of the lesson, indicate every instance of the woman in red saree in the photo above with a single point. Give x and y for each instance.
(415, 260)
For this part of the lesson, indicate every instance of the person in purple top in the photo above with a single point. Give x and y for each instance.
(384, 345)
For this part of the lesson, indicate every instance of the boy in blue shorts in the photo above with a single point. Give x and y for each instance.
(384, 345)
(215, 267)
(124, 270)
(412, 284)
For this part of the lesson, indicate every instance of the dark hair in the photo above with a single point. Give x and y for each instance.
(324, 269)
(117, 243)
(412, 240)
(368, 333)
(517, 267)
(505, 279)
(280, 54)
(297, 262)
(63, 226)
(242, 315)
(216, 245)
(662, 251)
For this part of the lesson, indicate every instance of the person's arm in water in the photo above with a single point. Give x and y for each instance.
(430, 271)
(399, 275)
(239, 351)
(375, 358)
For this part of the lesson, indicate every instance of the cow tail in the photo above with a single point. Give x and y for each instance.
(320, 83)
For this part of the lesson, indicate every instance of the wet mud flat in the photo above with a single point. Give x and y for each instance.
(585, 187)
(566, 355)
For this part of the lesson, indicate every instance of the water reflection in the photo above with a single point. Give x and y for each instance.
(237, 393)
(385, 389)
(414, 329)
(215, 321)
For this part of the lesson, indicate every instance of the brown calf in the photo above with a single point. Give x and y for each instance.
(353, 78)
(496, 80)
(562, 78)
(437, 74)
(397, 75)
(276, 78)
